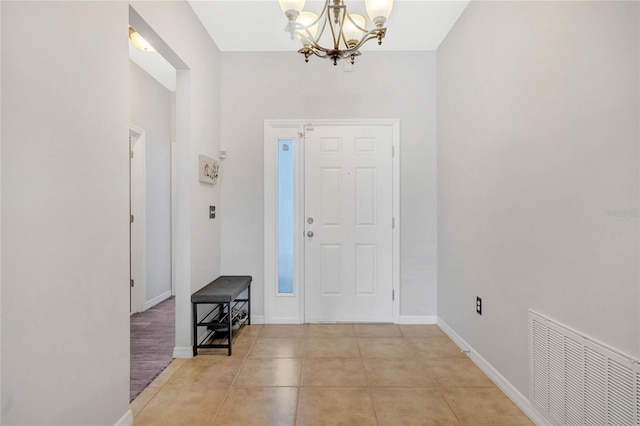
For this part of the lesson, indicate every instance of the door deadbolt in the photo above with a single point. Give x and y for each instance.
(310, 220)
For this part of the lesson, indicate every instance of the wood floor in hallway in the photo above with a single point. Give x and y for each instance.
(152, 343)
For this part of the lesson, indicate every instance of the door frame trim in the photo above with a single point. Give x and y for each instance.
(295, 128)
(137, 236)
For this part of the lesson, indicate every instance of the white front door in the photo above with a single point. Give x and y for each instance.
(348, 223)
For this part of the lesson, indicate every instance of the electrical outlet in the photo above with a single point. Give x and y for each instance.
(478, 305)
(212, 212)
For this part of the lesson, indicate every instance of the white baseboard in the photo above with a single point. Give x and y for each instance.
(283, 320)
(126, 420)
(417, 319)
(183, 352)
(462, 344)
(153, 302)
(257, 319)
(403, 319)
(505, 386)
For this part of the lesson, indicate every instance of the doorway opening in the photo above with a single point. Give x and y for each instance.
(159, 85)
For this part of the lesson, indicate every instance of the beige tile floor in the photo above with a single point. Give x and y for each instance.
(360, 374)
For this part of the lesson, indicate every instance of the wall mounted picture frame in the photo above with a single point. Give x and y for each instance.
(208, 169)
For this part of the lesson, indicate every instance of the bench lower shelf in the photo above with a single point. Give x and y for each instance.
(222, 321)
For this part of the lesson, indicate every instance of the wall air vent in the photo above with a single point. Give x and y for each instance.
(575, 380)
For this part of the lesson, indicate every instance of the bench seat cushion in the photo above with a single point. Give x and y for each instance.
(223, 289)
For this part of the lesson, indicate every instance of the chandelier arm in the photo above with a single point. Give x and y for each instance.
(324, 26)
(311, 45)
(303, 32)
(341, 36)
(317, 49)
(340, 13)
(370, 35)
(315, 52)
(324, 52)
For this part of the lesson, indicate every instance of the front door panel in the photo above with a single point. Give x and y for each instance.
(348, 223)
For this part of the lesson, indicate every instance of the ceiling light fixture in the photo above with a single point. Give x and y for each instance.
(346, 31)
(139, 42)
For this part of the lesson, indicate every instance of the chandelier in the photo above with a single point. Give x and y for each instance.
(344, 32)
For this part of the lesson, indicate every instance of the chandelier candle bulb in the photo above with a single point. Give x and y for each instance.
(346, 31)
(309, 21)
(292, 8)
(378, 10)
(353, 28)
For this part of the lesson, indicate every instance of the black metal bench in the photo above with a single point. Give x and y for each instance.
(223, 293)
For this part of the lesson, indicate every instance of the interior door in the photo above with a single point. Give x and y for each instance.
(348, 223)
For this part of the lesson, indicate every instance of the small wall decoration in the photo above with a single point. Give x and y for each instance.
(208, 169)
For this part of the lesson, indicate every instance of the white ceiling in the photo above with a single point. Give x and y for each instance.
(258, 25)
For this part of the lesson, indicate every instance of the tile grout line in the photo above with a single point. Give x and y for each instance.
(235, 377)
(299, 391)
(370, 390)
(441, 393)
(299, 387)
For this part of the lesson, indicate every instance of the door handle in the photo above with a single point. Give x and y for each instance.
(309, 234)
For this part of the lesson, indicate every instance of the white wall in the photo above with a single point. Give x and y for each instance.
(64, 174)
(150, 109)
(538, 133)
(198, 90)
(65, 322)
(258, 86)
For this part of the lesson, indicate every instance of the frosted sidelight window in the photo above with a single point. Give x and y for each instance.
(285, 216)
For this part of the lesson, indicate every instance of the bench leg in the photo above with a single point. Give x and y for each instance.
(230, 324)
(195, 328)
(249, 305)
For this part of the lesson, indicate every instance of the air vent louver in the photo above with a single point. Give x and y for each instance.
(575, 380)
